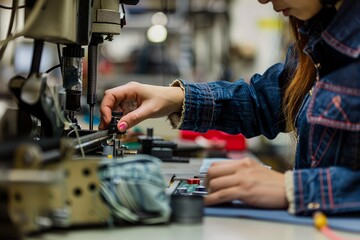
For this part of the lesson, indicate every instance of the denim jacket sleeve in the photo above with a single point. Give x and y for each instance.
(237, 107)
(332, 190)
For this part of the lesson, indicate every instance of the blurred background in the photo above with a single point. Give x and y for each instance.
(200, 41)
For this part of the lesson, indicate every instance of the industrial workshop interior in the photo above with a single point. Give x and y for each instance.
(63, 177)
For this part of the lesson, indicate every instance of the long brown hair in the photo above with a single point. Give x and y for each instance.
(303, 78)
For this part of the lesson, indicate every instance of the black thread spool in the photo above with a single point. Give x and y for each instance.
(187, 209)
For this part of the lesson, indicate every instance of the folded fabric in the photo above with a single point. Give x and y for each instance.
(133, 188)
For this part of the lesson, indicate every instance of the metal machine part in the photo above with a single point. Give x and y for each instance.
(46, 184)
(28, 173)
(96, 39)
(37, 194)
(76, 23)
(158, 147)
(100, 143)
(34, 98)
(106, 17)
(129, 2)
(62, 22)
(8, 116)
(72, 72)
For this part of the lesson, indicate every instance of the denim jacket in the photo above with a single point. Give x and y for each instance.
(326, 175)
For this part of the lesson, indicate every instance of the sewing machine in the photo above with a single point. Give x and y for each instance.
(48, 163)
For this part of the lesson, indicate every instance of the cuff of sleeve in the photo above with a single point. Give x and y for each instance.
(289, 191)
(177, 118)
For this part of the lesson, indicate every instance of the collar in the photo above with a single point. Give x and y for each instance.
(340, 29)
(343, 33)
(318, 23)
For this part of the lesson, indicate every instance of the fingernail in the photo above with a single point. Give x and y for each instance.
(122, 126)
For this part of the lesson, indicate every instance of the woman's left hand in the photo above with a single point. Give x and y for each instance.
(245, 180)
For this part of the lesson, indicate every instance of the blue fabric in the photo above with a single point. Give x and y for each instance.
(133, 189)
(343, 223)
(327, 161)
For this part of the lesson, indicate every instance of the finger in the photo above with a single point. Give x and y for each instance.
(227, 161)
(113, 97)
(107, 104)
(222, 168)
(122, 126)
(223, 182)
(222, 196)
(103, 121)
(135, 117)
(102, 125)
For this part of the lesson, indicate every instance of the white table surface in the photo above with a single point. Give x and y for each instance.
(212, 228)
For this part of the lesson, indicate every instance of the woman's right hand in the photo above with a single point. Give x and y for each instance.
(139, 102)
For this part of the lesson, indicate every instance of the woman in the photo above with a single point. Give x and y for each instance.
(315, 94)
